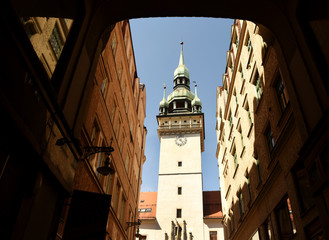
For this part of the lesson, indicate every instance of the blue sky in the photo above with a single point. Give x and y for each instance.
(156, 44)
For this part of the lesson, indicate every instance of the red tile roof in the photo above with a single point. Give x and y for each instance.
(212, 205)
(147, 205)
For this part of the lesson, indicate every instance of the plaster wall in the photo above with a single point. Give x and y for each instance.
(213, 225)
(171, 154)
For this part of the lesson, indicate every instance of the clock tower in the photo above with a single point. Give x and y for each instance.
(181, 132)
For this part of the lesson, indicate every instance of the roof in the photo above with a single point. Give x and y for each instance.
(147, 205)
(212, 205)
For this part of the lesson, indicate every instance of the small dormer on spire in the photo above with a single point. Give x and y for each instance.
(196, 102)
(164, 105)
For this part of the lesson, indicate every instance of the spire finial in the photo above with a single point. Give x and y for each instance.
(181, 58)
(195, 85)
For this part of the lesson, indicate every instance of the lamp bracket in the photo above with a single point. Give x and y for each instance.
(130, 224)
(90, 150)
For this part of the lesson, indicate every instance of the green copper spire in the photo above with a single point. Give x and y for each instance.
(196, 102)
(164, 102)
(181, 70)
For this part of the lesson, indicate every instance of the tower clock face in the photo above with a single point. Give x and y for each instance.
(180, 140)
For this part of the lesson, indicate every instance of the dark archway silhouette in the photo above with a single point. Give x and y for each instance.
(293, 28)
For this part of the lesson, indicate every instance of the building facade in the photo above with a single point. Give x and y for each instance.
(263, 187)
(115, 118)
(180, 207)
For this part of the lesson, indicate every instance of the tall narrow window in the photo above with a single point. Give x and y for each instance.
(249, 113)
(178, 213)
(235, 158)
(248, 186)
(230, 119)
(104, 86)
(285, 219)
(241, 206)
(213, 235)
(114, 44)
(113, 109)
(56, 41)
(122, 209)
(120, 72)
(109, 184)
(268, 229)
(94, 134)
(118, 127)
(269, 139)
(116, 196)
(257, 81)
(127, 161)
(100, 161)
(248, 43)
(281, 93)
(179, 190)
(180, 163)
(241, 136)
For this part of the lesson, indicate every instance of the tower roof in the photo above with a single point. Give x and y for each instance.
(181, 70)
(164, 103)
(196, 101)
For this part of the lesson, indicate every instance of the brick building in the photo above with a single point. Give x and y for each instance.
(115, 117)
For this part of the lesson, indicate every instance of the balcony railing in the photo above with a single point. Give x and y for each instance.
(177, 126)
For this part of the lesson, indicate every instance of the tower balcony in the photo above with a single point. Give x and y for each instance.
(171, 124)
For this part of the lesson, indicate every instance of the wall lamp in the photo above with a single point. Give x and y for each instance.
(107, 168)
(130, 224)
(137, 234)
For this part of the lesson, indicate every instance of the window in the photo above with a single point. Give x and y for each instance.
(235, 158)
(249, 113)
(303, 187)
(178, 213)
(120, 73)
(179, 190)
(122, 209)
(248, 43)
(118, 127)
(285, 219)
(100, 161)
(104, 87)
(241, 206)
(269, 139)
(248, 186)
(257, 81)
(116, 196)
(94, 134)
(127, 161)
(230, 119)
(113, 109)
(241, 136)
(213, 235)
(180, 163)
(281, 93)
(240, 71)
(268, 229)
(114, 43)
(109, 184)
(56, 41)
